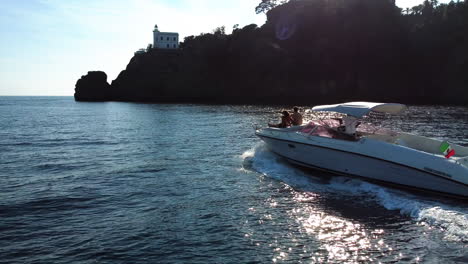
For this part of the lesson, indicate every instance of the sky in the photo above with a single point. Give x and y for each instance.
(47, 45)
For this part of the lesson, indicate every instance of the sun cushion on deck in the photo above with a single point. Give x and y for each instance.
(308, 128)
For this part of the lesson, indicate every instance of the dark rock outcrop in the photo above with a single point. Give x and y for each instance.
(148, 77)
(308, 52)
(93, 87)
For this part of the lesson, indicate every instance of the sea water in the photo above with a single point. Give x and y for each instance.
(166, 183)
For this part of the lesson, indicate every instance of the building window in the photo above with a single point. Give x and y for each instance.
(167, 45)
(161, 38)
(174, 46)
(167, 38)
(174, 39)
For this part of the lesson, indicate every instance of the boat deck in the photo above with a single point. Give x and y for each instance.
(329, 128)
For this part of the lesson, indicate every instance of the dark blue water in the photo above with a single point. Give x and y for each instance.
(148, 183)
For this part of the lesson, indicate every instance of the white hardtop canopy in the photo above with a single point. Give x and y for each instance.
(360, 109)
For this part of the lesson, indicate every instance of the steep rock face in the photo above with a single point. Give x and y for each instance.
(308, 53)
(148, 76)
(93, 87)
(212, 68)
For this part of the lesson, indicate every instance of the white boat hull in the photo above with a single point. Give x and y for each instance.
(360, 159)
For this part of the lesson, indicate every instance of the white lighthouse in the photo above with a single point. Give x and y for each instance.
(165, 40)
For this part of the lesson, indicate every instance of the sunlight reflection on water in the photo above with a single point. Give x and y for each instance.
(341, 239)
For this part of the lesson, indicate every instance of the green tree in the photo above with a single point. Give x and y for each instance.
(150, 47)
(267, 5)
(220, 30)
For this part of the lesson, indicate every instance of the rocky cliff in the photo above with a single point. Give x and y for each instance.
(307, 53)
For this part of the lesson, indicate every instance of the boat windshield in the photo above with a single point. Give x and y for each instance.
(330, 128)
(367, 128)
(324, 128)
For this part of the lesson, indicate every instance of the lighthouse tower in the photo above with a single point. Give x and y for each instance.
(165, 40)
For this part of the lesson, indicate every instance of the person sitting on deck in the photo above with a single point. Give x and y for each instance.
(348, 125)
(285, 121)
(296, 117)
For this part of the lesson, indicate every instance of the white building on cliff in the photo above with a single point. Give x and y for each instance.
(165, 40)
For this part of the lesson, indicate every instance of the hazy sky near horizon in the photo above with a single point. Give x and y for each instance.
(47, 45)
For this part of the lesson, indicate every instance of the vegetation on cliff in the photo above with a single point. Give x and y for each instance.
(313, 51)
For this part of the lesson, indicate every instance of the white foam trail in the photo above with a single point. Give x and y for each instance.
(451, 218)
(271, 165)
(448, 217)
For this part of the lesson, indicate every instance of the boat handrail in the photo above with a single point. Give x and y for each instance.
(311, 131)
(284, 129)
(461, 160)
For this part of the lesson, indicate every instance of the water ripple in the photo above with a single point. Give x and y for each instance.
(129, 183)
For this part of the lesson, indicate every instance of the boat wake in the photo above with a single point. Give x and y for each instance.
(446, 215)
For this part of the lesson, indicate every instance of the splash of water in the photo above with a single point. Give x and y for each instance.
(449, 217)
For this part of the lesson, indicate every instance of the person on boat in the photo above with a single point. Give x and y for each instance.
(296, 117)
(285, 121)
(350, 124)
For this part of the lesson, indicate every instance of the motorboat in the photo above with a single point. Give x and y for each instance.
(370, 152)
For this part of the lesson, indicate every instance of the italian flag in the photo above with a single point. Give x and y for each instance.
(447, 149)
